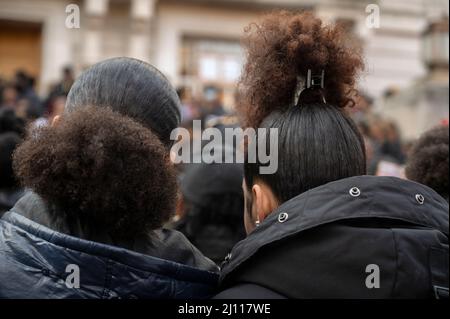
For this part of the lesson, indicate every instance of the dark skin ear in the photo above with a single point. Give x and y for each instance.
(55, 120)
(263, 202)
(181, 208)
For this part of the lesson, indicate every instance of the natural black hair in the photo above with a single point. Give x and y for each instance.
(101, 169)
(317, 140)
(317, 144)
(215, 225)
(133, 88)
(212, 203)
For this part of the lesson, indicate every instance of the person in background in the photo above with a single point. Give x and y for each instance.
(385, 155)
(319, 227)
(211, 207)
(189, 110)
(29, 113)
(63, 87)
(428, 162)
(25, 87)
(10, 191)
(392, 145)
(9, 97)
(102, 186)
(12, 129)
(10, 122)
(212, 106)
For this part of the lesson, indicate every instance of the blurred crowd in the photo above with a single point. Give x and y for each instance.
(210, 195)
(19, 95)
(21, 107)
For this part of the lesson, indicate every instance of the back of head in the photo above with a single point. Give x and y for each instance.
(428, 160)
(215, 191)
(102, 170)
(317, 141)
(132, 88)
(213, 204)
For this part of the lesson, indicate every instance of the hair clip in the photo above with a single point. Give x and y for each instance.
(315, 81)
(299, 88)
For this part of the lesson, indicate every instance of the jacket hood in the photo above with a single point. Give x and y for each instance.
(319, 244)
(162, 243)
(35, 258)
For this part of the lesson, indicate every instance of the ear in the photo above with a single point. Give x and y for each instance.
(180, 210)
(55, 120)
(264, 201)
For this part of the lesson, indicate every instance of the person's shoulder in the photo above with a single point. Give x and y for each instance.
(248, 291)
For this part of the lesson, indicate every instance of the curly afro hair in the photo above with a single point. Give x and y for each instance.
(101, 168)
(428, 160)
(283, 47)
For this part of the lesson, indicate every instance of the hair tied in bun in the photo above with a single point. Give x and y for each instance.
(314, 81)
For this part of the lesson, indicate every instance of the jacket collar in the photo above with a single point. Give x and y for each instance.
(164, 244)
(351, 198)
(174, 270)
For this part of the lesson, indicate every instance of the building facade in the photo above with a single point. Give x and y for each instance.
(196, 42)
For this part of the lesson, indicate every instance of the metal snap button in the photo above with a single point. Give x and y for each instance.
(45, 272)
(283, 217)
(354, 191)
(420, 199)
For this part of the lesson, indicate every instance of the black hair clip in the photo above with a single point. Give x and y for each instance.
(315, 81)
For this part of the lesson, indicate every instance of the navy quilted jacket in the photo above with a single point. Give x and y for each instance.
(38, 262)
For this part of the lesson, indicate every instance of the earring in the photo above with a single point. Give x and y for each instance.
(257, 223)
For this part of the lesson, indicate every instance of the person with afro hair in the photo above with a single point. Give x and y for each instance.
(428, 160)
(101, 187)
(319, 227)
